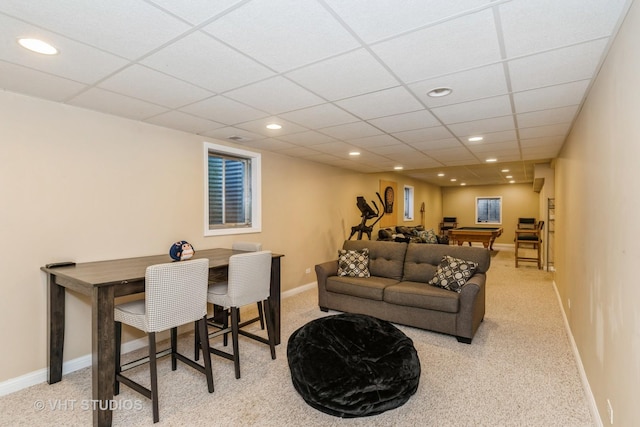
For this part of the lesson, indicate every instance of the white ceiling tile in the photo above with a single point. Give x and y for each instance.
(268, 95)
(381, 19)
(420, 135)
(437, 144)
(234, 135)
(201, 60)
(493, 137)
(474, 110)
(374, 141)
(453, 156)
(113, 103)
(262, 29)
(20, 79)
(468, 85)
(548, 117)
(351, 130)
(391, 150)
(499, 148)
(560, 129)
(481, 127)
(405, 121)
(465, 42)
(123, 27)
(344, 76)
(269, 144)
(260, 126)
(542, 141)
(299, 151)
(307, 138)
(320, 116)
(75, 61)
(529, 26)
(224, 110)
(337, 148)
(149, 85)
(550, 97)
(383, 103)
(183, 121)
(557, 66)
(197, 11)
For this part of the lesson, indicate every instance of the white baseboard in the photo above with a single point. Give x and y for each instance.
(37, 377)
(593, 408)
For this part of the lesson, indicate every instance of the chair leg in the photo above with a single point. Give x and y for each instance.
(153, 369)
(196, 343)
(203, 337)
(517, 253)
(235, 319)
(261, 315)
(270, 329)
(174, 348)
(118, 338)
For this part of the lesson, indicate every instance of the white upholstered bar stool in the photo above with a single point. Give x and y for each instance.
(175, 295)
(248, 282)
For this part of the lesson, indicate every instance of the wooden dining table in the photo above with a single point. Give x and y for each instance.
(103, 282)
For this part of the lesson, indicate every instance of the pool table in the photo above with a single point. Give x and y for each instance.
(484, 235)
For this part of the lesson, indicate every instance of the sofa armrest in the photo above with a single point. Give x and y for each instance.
(472, 306)
(323, 271)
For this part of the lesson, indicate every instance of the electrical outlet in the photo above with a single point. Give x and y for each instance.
(308, 270)
(610, 411)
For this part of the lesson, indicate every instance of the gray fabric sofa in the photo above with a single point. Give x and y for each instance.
(397, 290)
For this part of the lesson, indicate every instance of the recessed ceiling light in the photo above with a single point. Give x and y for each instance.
(274, 126)
(491, 160)
(38, 46)
(398, 168)
(475, 139)
(509, 176)
(463, 183)
(441, 174)
(512, 182)
(354, 153)
(439, 91)
(453, 180)
(505, 170)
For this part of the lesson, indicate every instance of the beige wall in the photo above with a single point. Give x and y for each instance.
(83, 186)
(597, 233)
(518, 200)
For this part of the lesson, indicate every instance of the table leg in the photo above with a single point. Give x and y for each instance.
(55, 332)
(274, 298)
(102, 354)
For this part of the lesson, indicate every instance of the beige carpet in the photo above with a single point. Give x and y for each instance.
(519, 371)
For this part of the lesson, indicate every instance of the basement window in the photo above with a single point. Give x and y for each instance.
(232, 190)
(489, 210)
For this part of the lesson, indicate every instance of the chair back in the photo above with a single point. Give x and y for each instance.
(246, 246)
(175, 293)
(249, 278)
(527, 223)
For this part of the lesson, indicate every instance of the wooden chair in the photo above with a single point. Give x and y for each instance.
(531, 237)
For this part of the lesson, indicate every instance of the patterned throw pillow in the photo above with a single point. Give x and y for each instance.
(353, 263)
(453, 273)
(427, 236)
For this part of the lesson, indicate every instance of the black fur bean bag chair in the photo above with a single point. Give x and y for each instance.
(352, 365)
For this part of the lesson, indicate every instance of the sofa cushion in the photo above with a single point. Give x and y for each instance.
(421, 260)
(416, 294)
(453, 273)
(353, 263)
(386, 259)
(369, 288)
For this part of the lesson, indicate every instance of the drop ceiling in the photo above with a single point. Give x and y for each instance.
(338, 75)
